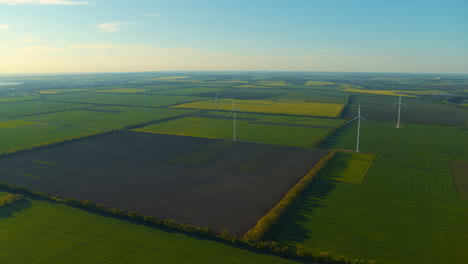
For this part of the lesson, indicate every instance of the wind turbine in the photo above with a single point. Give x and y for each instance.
(234, 110)
(145, 100)
(216, 100)
(399, 103)
(38, 107)
(359, 117)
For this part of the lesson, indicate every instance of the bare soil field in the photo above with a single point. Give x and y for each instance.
(204, 182)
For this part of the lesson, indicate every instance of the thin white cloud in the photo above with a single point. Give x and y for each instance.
(4, 26)
(153, 15)
(46, 2)
(42, 49)
(115, 26)
(32, 40)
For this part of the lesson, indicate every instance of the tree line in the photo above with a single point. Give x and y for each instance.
(10, 199)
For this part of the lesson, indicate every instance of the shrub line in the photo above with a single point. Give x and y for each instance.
(265, 223)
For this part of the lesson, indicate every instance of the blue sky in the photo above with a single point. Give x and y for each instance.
(296, 35)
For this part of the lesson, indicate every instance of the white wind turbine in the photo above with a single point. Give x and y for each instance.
(359, 117)
(216, 100)
(399, 103)
(234, 110)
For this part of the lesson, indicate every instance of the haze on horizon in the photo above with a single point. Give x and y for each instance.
(52, 36)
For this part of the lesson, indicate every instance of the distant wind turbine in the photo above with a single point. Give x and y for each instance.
(216, 100)
(234, 110)
(399, 103)
(145, 100)
(359, 117)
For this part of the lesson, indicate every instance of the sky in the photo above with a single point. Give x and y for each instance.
(53, 36)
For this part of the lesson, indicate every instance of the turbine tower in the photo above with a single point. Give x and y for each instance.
(234, 110)
(145, 100)
(359, 117)
(399, 103)
(216, 100)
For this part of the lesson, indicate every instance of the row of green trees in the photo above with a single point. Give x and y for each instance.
(269, 220)
(10, 198)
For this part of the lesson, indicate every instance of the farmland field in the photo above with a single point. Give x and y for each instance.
(397, 215)
(122, 99)
(223, 191)
(287, 120)
(123, 90)
(221, 128)
(156, 146)
(431, 141)
(27, 132)
(264, 106)
(460, 176)
(43, 232)
(380, 108)
(33, 107)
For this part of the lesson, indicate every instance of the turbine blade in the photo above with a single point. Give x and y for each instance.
(352, 120)
(395, 104)
(363, 118)
(229, 113)
(404, 105)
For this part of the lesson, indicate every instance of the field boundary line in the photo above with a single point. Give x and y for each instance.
(271, 218)
(452, 176)
(370, 167)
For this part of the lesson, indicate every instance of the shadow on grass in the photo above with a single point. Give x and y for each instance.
(333, 141)
(9, 209)
(293, 225)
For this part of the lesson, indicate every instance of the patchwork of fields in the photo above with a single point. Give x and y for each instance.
(202, 182)
(412, 140)
(165, 153)
(380, 108)
(264, 106)
(267, 132)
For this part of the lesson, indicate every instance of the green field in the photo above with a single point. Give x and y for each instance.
(292, 120)
(123, 99)
(351, 167)
(382, 108)
(188, 91)
(223, 129)
(41, 232)
(265, 106)
(16, 98)
(32, 107)
(57, 91)
(399, 214)
(459, 172)
(23, 133)
(432, 141)
(123, 90)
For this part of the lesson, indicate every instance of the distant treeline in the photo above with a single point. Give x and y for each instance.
(251, 241)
